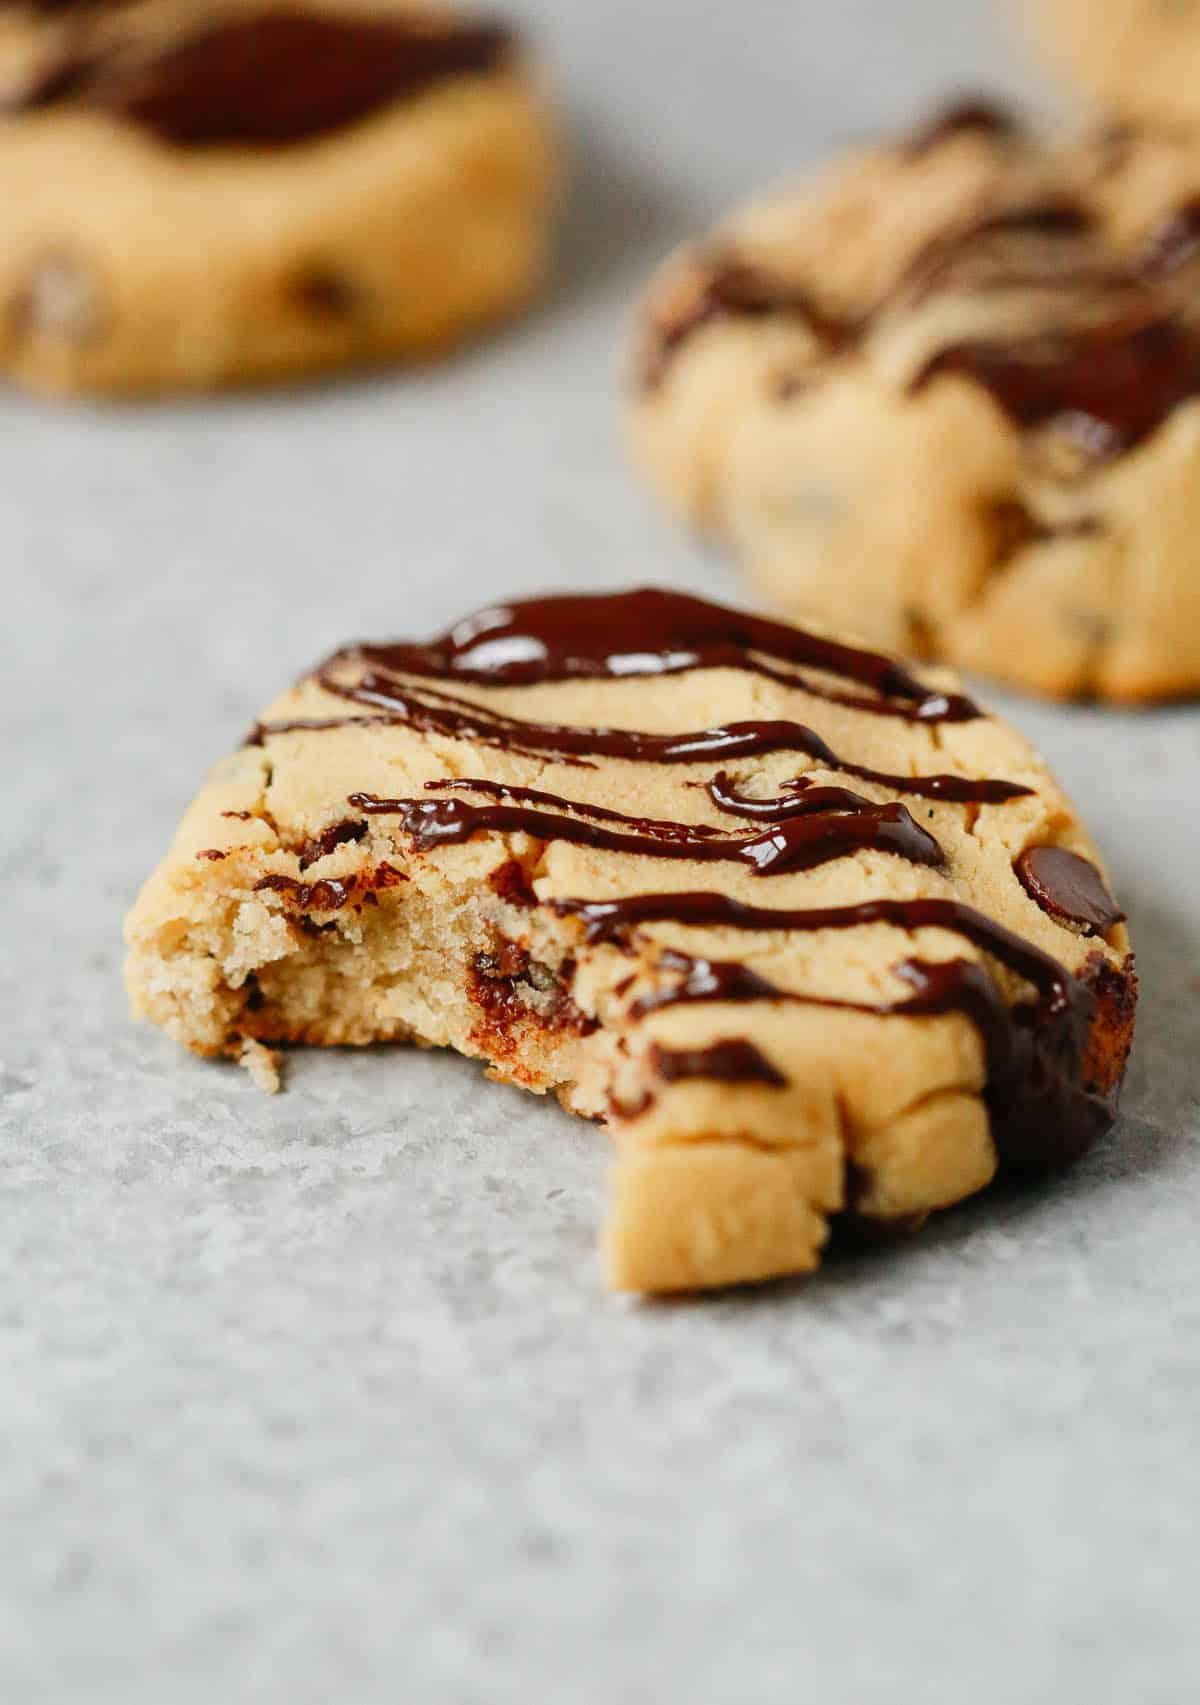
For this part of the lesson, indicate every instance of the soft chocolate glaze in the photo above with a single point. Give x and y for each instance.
(1108, 386)
(731, 1060)
(800, 843)
(617, 635)
(280, 77)
(1044, 1113)
(1069, 888)
(971, 115)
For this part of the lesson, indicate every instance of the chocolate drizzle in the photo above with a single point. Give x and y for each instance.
(799, 843)
(972, 115)
(961, 790)
(1110, 352)
(1044, 1112)
(455, 718)
(1049, 245)
(731, 1060)
(281, 77)
(650, 631)
(1108, 387)
(733, 289)
(462, 719)
(705, 980)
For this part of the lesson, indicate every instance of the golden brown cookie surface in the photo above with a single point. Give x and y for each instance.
(248, 190)
(949, 394)
(809, 933)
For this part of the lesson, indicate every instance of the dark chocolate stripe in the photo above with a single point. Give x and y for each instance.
(731, 1060)
(952, 789)
(620, 635)
(433, 712)
(733, 289)
(970, 115)
(1107, 387)
(281, 77)
(605, 919)
(801, 843)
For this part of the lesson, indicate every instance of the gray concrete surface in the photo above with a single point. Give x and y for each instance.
(318, 1398)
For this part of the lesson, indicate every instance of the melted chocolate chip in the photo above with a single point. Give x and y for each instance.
(505, 985)
(325, 294)
(279, 78)
(1069, 888)
(337, 835)
(1108, 387)
(510, 882)
(733, 1060)
(328, 895)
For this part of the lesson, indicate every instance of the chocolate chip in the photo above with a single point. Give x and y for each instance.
(1069, 888)
(326, 294)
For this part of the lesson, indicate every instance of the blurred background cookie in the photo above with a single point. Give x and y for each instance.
(1139, 57)
(947, 394)
(245, 191)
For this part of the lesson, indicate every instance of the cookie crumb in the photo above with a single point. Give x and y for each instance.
(263, 1064)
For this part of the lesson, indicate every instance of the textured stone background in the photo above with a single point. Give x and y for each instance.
(318, 1398)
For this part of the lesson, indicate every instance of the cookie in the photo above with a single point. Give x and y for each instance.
(245, 191)
(813, 936)
(947, 395)
(1140, 58)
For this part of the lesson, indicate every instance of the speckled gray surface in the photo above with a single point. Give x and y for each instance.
(318, 1398)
